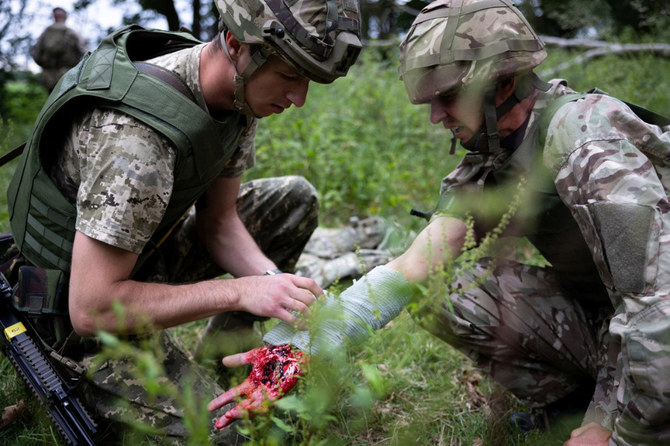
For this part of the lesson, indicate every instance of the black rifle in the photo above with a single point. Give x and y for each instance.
(29, 359)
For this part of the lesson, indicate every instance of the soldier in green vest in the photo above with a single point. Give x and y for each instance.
(581, 176)
(130, 192)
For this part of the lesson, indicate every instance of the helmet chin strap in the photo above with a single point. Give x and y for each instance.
(486, 139)
(258, 58)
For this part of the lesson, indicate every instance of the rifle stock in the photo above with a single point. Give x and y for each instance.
(32, 364)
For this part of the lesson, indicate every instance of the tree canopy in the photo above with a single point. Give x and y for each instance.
(382, 20)
(14, 35)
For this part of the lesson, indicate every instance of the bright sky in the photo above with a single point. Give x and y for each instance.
(88, 23)
(101, 14)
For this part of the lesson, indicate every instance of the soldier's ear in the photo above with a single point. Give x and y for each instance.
(233, 45)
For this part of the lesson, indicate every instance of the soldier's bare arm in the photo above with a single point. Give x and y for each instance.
(438, 243)
(92, 295)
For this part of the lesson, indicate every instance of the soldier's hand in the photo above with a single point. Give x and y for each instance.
(592, 434)
(275, 371)
(284, 296)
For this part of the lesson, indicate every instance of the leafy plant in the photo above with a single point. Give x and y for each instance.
(368, 152)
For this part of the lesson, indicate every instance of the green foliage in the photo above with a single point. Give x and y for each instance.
(381, 392)
(640, 79)
(146, 359)
(368, 152)
(23, 103)
(26, 431)
(365, 148)
(602, 18)
(566, 18)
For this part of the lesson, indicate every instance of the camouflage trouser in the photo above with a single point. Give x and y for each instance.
(281, 214)
(123, 393)
(517, 324)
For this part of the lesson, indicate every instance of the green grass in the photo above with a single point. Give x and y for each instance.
(368, 152)
(365, 148)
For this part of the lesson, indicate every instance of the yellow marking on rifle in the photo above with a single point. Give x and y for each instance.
(14, 330)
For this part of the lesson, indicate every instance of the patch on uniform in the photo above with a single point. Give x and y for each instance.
(624, 230)
(648, 362)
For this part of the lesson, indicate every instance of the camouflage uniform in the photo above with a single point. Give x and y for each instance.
(57, 49)
(599, 315)
(586, 179)
(119, 172)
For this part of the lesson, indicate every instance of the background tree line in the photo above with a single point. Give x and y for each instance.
(383, 23)
(381, 19)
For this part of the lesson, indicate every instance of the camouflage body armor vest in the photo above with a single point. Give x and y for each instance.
(547, 223)
(42, 219)
(550, 226)
(554, 231)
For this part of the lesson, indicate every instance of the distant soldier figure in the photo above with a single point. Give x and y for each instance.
(58, 49)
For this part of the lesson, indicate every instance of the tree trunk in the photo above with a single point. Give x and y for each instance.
(596, 48)
(196, 28)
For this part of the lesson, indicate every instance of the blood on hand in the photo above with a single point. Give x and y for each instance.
(275, 371)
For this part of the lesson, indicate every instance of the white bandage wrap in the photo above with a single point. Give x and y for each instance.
(370, 303)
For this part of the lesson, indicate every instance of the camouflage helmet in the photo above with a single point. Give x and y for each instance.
(454, 43)
(319, 38)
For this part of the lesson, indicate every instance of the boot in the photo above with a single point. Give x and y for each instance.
(573, 405)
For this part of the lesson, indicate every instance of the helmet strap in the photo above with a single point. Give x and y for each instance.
(258, 58)
(486, 139)
(491, 144)
(491, 120)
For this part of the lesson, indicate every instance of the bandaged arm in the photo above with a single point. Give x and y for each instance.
(370, 303)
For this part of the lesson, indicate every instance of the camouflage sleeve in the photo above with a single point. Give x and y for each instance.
(609, 175)
(244, 157)
(126, 180)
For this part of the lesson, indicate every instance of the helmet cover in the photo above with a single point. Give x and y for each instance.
(319, 38)
(455, 43)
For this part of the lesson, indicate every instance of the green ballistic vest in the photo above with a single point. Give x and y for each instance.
(42, 219)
